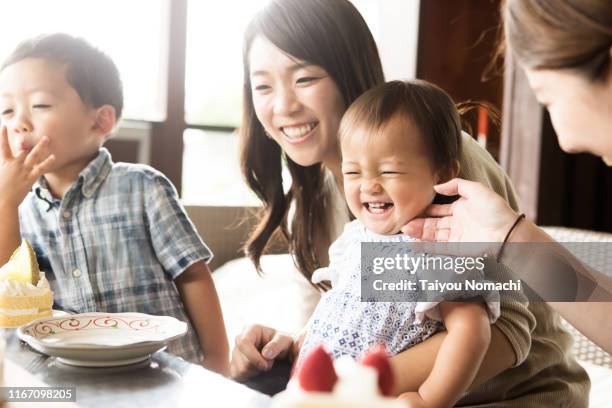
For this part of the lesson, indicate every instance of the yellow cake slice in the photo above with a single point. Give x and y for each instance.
(25, 265)
(25, 294)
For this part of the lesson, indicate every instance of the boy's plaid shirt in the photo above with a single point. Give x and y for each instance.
(115, 243)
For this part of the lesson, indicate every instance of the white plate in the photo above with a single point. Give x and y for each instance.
(102, 339)
(59, 313)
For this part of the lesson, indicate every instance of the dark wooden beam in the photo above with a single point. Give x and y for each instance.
(167, 136)
(522, 119)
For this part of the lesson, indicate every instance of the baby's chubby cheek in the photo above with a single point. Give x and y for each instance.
(415, 211)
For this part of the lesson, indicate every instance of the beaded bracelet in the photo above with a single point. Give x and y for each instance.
(518, 219)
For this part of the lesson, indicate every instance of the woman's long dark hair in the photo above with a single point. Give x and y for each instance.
(333, 35)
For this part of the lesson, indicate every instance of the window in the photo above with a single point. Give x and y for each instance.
(397, 38)
(213, 76)
(212, 170)
(213, 102)
(133, 33)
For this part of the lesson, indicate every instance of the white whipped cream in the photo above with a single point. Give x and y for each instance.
(14, 288)
(19, 312)
(355, 380)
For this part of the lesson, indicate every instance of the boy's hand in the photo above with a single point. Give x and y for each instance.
(19, 173)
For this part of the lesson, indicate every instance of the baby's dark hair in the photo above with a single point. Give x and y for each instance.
(430, 108)
(92, 73)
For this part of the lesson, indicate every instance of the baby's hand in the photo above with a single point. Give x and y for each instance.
(18, 173)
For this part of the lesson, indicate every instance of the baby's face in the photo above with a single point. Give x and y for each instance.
(36, 100)
(388, 177)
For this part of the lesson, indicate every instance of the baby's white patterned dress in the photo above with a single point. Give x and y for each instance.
(347, 326)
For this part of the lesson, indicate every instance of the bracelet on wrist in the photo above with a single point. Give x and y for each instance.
(516, 222)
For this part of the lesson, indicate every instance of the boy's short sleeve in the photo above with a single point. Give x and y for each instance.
(175, 239)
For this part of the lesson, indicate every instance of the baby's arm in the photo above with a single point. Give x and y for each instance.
(460, 355)
(199, 296)
(17, 176)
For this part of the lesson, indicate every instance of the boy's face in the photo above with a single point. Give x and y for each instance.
(388, 177)
(36, 100)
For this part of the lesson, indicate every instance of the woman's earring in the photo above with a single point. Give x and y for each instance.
(267, 134)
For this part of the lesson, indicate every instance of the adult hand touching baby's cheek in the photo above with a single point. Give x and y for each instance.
(478, 215)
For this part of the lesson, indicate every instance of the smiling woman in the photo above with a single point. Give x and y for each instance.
(297, 103)
(343, 70)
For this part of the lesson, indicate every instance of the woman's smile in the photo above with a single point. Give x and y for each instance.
(299, 133)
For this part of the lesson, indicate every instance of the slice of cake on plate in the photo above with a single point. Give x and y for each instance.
(321, 383)
(25, 294)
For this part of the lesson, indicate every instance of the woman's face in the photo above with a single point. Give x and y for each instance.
(580, 110)
(298, 104)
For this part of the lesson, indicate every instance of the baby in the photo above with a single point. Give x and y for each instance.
(398, 140)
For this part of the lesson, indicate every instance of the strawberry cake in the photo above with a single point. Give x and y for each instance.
(322, 383)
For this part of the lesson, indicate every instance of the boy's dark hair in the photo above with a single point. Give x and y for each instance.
(430, 108)
(92, 73)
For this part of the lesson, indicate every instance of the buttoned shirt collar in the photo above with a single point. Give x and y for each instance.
(90, 179)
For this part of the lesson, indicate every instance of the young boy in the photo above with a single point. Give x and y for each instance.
(111, 237)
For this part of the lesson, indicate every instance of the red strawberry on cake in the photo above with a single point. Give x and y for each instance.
(378, 359)
(317, 372)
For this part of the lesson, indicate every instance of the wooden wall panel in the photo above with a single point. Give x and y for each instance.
(521, 142)
(456, 42)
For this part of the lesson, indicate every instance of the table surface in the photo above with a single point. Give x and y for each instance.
(163, 381)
